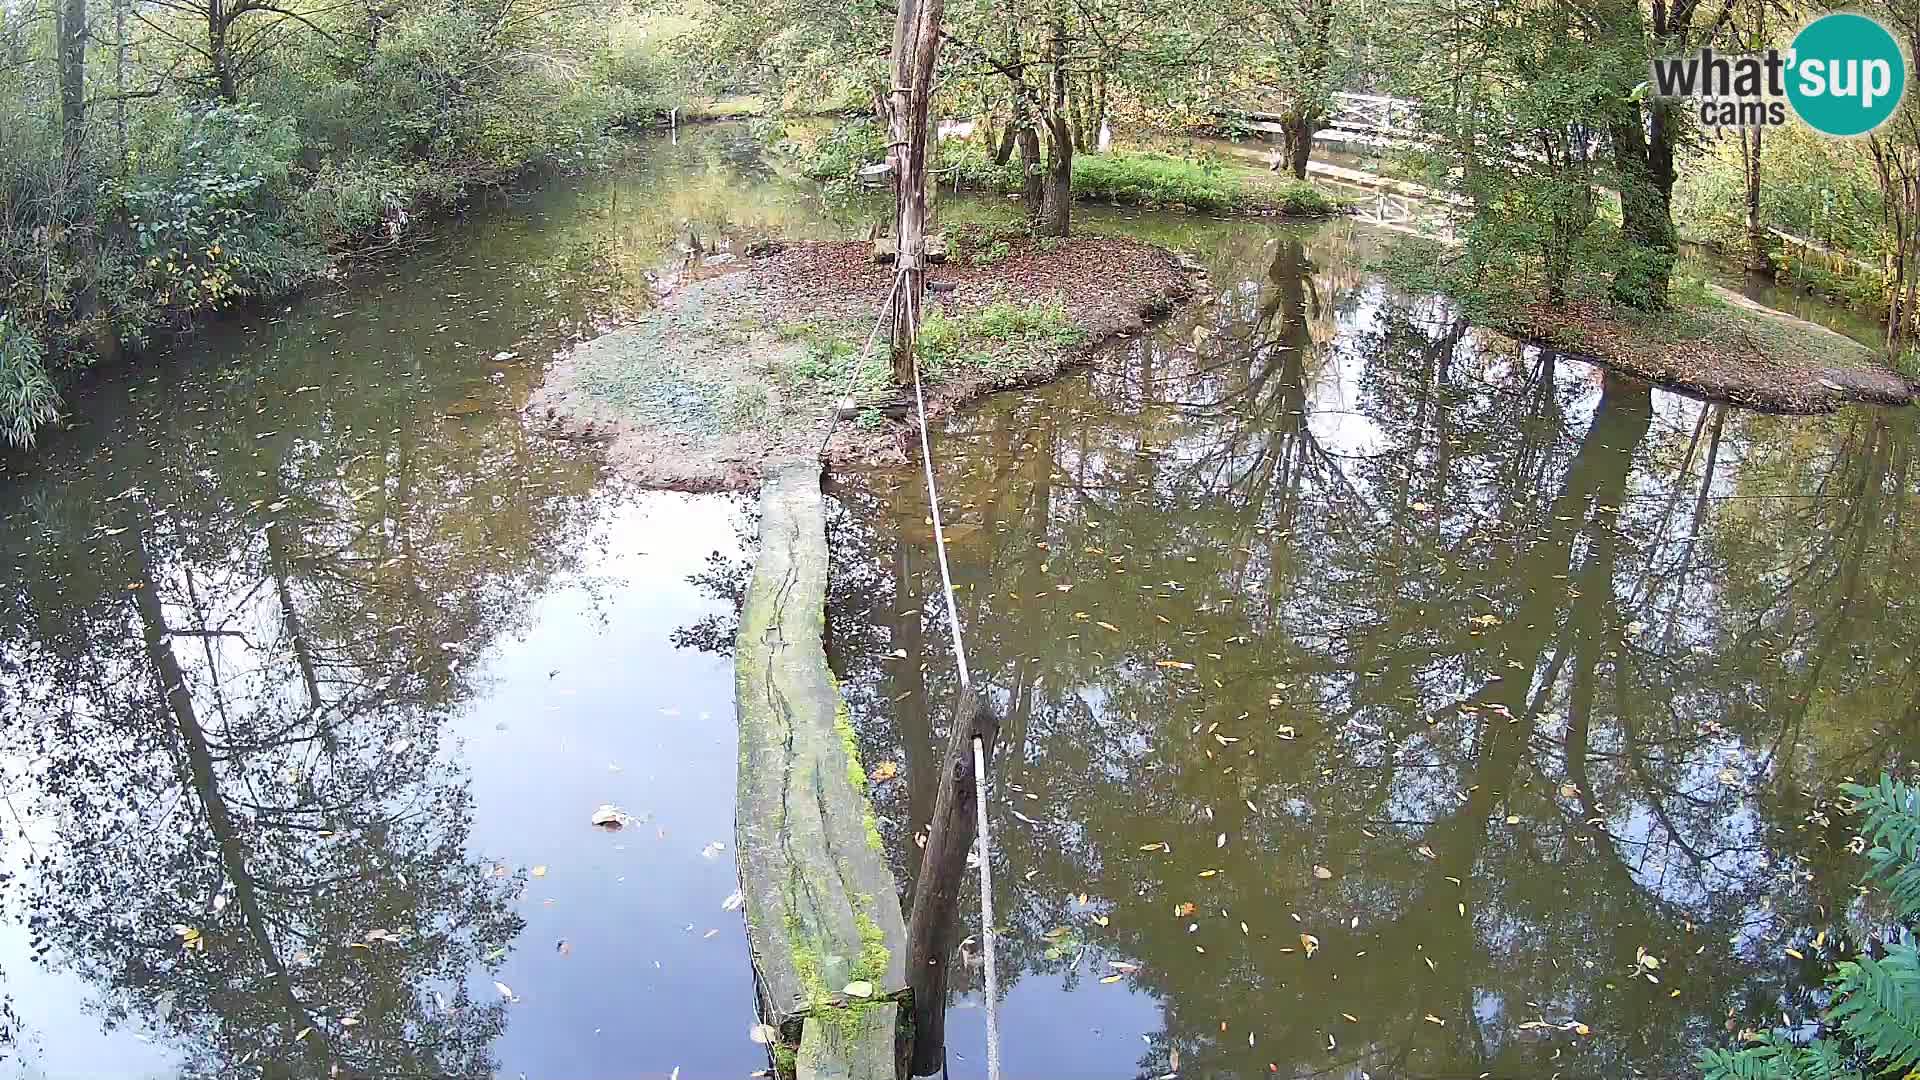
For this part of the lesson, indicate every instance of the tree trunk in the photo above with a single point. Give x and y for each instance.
(1031, 186)
(218, 52)
(1645, 167)
(1056, 203)
(1056, 198)
(120, 81)
(1758, 260)
(1296, 143)
(73, 80)
(1003, 148)
(916, 45)
(933, 926)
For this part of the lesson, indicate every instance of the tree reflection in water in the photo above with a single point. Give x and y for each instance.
(225, 688)
(1542, 667)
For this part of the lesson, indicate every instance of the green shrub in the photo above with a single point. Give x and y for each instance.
(1153, 180)
(1301, 199)
(842, 151)
(27, 396)
(210, 218)
(966, 163)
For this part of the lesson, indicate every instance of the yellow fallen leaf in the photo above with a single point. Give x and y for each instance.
(1112, 978)
(540, 871)
(884, 772)
(1173, 664)
(1432, 1019)
(1322, 873)
(1310, 943)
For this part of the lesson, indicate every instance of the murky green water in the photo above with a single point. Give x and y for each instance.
(1315, 611)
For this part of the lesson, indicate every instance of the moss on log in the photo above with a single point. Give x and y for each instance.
(860, 1049)
(823, 912)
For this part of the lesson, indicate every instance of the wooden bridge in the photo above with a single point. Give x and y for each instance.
(1357, 119)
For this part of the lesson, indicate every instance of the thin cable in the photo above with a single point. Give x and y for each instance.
(834, 416)
(939, 536)
(979, 752)
(986, 912)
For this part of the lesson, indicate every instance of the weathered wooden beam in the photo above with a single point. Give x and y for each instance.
(823, 911)
(933, 927)
(857, 1047)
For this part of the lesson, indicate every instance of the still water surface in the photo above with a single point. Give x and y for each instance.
(1377, 694)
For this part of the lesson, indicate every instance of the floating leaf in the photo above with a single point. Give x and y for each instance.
(1322, 873)
(764, 1034)
(505, 990)
(884, 772)
(540, 871)
(611, 817)
(733, 901)
(1310, 943)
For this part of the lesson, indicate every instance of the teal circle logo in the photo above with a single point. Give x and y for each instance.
(1846, 75)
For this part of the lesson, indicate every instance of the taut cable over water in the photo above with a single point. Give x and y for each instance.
(932, 920)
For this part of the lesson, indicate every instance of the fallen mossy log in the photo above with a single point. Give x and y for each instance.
(823, 912)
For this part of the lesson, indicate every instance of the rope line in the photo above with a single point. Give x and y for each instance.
(939, 535)
(986, 913)
(979, 750)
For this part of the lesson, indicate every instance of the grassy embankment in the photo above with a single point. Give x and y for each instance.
(1127, 177)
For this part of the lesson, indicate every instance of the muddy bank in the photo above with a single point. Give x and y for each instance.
(749, 362)
(1729, 349)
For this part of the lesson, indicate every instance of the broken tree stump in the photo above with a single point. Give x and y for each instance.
(823, 912)
(934, 929)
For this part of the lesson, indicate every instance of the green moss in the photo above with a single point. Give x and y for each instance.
(822, 1002)
(786, 1060)
(874, 954)
(843, 724)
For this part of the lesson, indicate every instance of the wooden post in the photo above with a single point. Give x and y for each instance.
(933, 927)
(916, 46)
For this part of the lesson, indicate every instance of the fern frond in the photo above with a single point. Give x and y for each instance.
(1892, 827)
(1771, 1058)
(1878, 1003)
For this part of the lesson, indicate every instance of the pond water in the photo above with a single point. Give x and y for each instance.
(1380, 698)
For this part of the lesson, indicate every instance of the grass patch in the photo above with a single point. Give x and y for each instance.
(1153, 179)
(731, 107)
(830, 362)
(1128, 177)
(997, 338)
